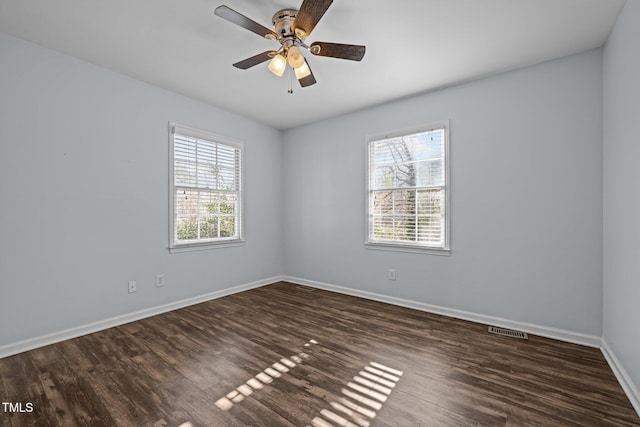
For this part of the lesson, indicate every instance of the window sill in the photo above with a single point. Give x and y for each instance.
(407, 248)
(205, 246)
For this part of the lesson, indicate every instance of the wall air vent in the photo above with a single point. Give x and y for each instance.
(508, 332)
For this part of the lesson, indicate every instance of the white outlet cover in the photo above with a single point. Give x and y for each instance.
(159, 280)
(133, 286)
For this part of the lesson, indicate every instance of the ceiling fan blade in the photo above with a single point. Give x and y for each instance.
(308, 16)
(352, 52)
(237, 18)
(255, 60)
(308, 80)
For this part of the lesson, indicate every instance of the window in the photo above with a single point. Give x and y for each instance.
(206, 189)
(408, 190)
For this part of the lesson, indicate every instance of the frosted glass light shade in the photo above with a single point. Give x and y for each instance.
(294, 57)
(302, 71)
(278, 65)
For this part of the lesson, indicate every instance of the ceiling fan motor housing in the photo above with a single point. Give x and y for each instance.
(283, 23)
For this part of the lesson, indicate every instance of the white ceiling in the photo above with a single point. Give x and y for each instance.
(413, 46)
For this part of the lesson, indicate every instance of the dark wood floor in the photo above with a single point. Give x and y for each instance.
(284, 356)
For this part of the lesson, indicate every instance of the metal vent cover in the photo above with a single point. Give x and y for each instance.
(508, 332)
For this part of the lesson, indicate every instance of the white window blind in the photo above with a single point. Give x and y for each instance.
(408, 189)
(206, 188)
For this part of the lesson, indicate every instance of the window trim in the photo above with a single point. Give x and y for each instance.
(175, 247)
(409, 247)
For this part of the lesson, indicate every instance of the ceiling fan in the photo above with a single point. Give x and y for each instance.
(290, 28)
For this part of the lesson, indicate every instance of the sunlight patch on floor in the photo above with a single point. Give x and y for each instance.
(265, 377)
(363, 398)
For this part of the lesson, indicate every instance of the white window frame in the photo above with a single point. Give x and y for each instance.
(404, 246)
(178, 246)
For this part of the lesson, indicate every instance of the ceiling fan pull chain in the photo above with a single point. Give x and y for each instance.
(290, 91)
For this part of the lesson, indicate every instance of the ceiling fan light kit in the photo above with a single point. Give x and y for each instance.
(290, 28)
(277, 65)
(294, 57)
(302, 71)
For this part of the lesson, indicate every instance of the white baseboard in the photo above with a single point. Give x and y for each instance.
(52, 338)
(544, 331)
(563, 335)
(623, 378)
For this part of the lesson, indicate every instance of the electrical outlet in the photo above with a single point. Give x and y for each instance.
(159, 280)
(133, 286)
(392, 274)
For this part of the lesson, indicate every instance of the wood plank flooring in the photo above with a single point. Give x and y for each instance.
(283, 356)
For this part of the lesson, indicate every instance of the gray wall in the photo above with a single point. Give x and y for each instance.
(526, 179)
(83, 179)
(621, 200)
(84, 190)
